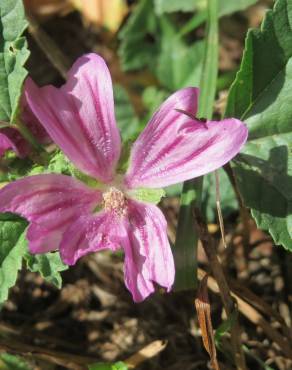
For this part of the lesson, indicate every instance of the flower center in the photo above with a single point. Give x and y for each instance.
(115, 201)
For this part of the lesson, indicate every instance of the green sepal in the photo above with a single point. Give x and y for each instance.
(88, 180)
(148, 195)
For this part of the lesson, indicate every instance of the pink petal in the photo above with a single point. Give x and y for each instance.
(175, 147)
(51, 203)
(79, 116)
(148, 256)
(11, 139)
(91, 233)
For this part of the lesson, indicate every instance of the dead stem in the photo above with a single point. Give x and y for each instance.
(219, 211)
(253, 316)
(74, 362)
(49, 47)
(225, 294)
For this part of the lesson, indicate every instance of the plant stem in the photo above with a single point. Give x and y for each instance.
(48, 46)
(224, 290)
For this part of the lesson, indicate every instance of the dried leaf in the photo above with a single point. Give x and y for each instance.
(203, 308)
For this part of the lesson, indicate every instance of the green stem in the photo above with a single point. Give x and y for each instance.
(185, 248)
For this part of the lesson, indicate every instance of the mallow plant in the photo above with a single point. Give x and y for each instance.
(111, 205)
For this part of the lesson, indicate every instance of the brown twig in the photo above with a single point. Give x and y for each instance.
(254, 316)
(68, 360)
(225, 294)
(219, 211)
(151, 350)
(48, 46)
(259, 304)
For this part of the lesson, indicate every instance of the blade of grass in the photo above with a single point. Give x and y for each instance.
(210, 69)
(185, 248)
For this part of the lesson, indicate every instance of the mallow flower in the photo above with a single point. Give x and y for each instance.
(76, 218)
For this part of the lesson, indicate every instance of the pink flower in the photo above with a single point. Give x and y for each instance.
(11, 138)
(68, 215)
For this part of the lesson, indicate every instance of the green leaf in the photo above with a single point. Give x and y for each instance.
(152, 99)
(137, 48)
(168, 6)
(228, 200)
(102, 366)
(178, 64)
(13, 55)
(148, 195)
(261, 96)
(127, 120)
(49, 265)
(231, 6)
(59, 163)
(224, 6)
(185, 247)
(12, 248)
(13, 362)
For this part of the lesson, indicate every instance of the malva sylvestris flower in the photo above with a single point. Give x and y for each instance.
(67, 214)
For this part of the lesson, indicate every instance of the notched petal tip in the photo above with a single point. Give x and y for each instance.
(176, 146)
(79, 117)
(51, 203)
(148, 256)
